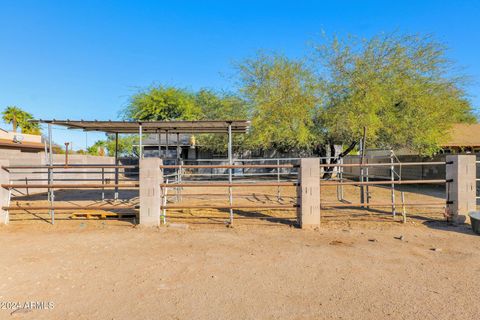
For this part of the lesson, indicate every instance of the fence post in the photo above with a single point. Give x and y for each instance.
(4, 193)
(461, 186)
(150, 192)
(308, 192)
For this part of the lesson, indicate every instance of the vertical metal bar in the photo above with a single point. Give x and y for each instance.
(341, 180)
(164, 203)
(392, 178)
(159, 144)
(179, 150)
(166, 144)
(50, 173)
(140, 144)
(230, 162)
(278, 179)
(116, 169)
(103, 182)
(362, 194)
(404, 211)
(367, 193)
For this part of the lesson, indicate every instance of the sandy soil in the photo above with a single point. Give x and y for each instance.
(97, 270)
(361, 264)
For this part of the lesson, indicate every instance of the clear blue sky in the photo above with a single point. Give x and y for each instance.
(83, 59)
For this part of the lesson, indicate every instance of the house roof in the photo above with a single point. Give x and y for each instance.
(5, 143)
(202, 126)
(463, 135)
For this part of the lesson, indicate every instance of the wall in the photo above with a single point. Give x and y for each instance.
(39, 176)
(10, 135)
(407, 172)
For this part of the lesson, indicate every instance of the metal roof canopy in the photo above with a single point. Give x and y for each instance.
(133, 127)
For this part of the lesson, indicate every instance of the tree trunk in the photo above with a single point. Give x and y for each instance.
(329, 170)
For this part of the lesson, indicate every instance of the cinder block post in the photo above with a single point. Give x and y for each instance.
(4, 193)
(308, 191)
(150, 192)
(461, 191)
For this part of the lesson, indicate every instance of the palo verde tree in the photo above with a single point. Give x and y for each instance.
(162, 103)
(125, 146)
(20, 118)
(220, 106)
(402, 88)
(283, 96)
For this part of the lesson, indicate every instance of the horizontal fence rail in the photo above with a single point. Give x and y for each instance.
(68, 207)
(386, 182)
(383, 204)
(239, 206)
(79, 166)
(233, 166)
(213, 185)
(394, 164)
(70, 186)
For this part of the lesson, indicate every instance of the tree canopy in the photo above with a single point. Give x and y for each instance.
(402, 88)
(107, 147)
(220, 106)
(20, 118)
(283, 95)
(162, 103)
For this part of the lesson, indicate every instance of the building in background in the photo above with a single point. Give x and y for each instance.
(20, 142)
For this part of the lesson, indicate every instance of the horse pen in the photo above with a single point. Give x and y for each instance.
(173, 238)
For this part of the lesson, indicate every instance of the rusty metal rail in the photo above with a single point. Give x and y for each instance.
(213, 185)
(233, 166)
(79, 166)
(68, 207)
(238, 206)
(386, 182)
(384, 204)
(395, 164)
(70, 186)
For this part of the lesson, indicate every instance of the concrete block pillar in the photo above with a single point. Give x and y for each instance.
(150, 192)
(308, 191)
(4, 193)
(461, 191)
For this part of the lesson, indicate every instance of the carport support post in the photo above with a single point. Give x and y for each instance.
(4, 193)
(308, 192)
(150, 191)
(461, 186)
(116, 164)
(140, 143)
(230, 162)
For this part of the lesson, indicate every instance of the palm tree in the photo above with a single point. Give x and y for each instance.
(20, 118)
(13, 115)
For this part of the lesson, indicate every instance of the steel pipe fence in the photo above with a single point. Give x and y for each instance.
(184, 175)
(51, 171)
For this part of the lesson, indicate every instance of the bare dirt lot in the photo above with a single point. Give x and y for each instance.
(359, 265)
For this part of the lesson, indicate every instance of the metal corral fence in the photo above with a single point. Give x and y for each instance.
(207, 173)
(272, 176)
(48, 178)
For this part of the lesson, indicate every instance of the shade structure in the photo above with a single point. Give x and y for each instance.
(200, 126)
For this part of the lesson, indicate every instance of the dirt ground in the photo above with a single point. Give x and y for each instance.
(97, 270)
(359, 265)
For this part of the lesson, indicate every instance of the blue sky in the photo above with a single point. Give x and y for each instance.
(83, 59)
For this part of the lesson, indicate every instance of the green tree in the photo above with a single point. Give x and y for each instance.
(283, 95)
(162, 103)
(220, 106)
(125, 146)
(402, 88)
(20, 118)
